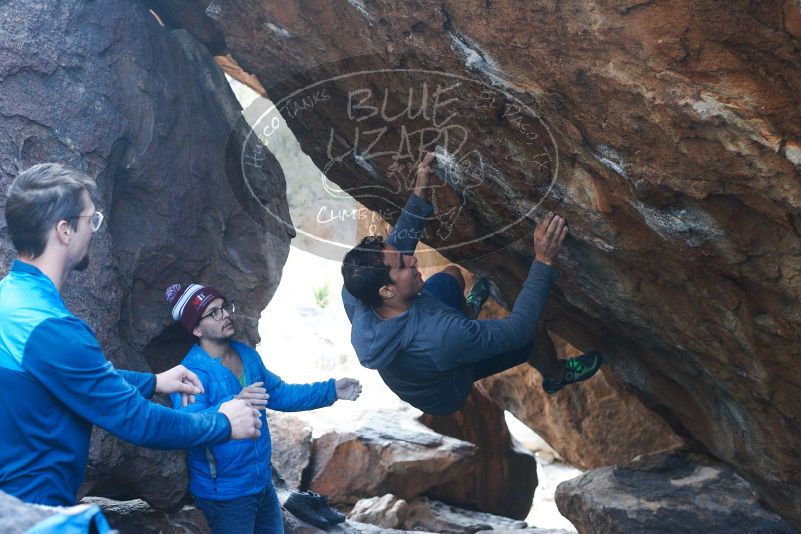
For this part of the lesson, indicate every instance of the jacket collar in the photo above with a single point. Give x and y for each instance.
(199, 352)
(26, 268)
(22, 267)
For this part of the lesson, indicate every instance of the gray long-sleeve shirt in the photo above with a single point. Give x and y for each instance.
(426, 355)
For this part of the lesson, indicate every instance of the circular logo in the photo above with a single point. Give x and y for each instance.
(350, 146)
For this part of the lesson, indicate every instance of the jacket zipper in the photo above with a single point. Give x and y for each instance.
(212, 467)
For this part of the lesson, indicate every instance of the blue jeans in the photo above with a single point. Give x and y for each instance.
(259, 513)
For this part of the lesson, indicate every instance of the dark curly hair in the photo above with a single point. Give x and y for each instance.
(364, 271)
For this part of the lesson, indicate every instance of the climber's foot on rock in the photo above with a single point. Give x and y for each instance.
(477, 296)
(576, 370)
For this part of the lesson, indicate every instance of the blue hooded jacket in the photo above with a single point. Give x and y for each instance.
(241, 467)
(55, 383)
(426, 354)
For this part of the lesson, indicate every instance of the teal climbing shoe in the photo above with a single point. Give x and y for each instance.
(576, 370)
(478, 295)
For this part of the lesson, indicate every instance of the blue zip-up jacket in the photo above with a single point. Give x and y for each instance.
(426, 355)
(241, 467)
(55, 383)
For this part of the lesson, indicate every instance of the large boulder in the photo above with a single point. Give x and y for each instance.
(665, 493)
(105, 88)
(386, 455)
(591, 424)
(504, 475)
(291, 440)
(137, 517)
(422, 514)
(667, 133)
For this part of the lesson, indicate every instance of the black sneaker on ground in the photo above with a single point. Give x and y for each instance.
(333, 516)
(478, 295)
(576, 370)
(313, 508)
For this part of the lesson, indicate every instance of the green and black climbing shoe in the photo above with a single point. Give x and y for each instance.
(478, 295)
(576, 370)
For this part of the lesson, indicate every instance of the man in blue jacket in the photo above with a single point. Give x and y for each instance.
(424, 337)
(232, 482)
(55, 382)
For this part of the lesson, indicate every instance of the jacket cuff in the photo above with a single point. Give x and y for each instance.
(418, 206)
(332, 391)
(152, 389)
(551, 273)
(227, 424)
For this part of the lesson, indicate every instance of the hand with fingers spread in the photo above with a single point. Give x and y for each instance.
(548, 238)
(255, 395)
(348, 389)
(181, 380)
(245, 419)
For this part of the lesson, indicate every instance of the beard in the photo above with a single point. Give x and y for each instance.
(83, 264)
(222, 334)
(220, 337)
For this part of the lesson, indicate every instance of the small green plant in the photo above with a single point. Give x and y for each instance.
(322, 295)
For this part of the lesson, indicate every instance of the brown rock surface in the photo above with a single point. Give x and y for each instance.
(291, 440)
(590, 424)
(386, 511)
(665, 493)
(386, 455)
(504, 475)
(428, 515)
(144, 110)
(677, 126)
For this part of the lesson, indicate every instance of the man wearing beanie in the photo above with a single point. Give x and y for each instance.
(55, 381)
(232, 482)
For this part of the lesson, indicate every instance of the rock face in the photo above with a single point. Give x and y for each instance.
(504, 474)
(144, 110)
(291, 446)
(428, 516)
(669, 138)
(665, 493)
(136, 517)
(386, 455)
(591, 424)
(387, 511)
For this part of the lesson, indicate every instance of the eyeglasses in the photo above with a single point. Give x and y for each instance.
(95, 220)
(217, 313)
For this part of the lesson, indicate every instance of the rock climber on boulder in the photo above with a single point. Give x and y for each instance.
(424, 337)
